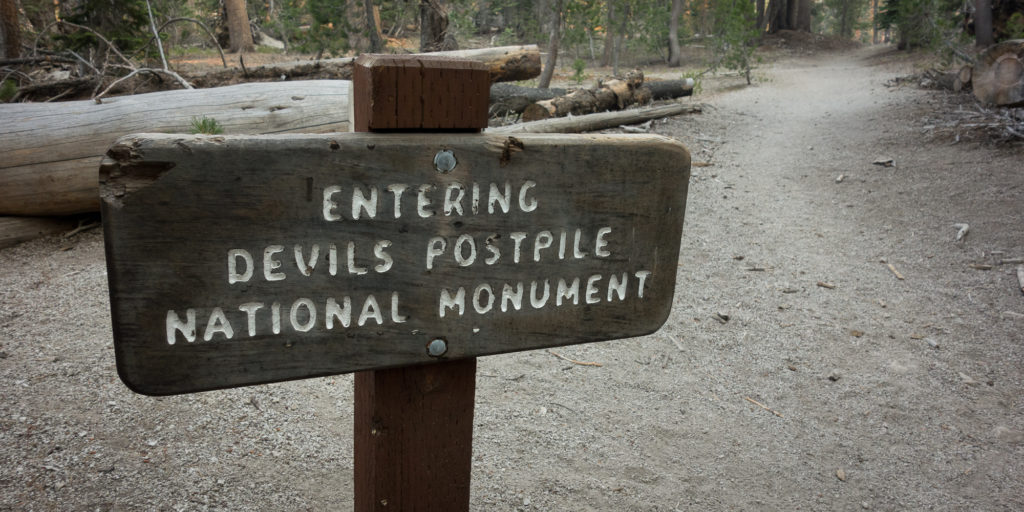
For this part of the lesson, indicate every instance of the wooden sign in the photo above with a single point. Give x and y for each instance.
(253, 259)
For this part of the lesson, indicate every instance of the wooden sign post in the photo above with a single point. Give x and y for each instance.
(240, 260)
(414, 425)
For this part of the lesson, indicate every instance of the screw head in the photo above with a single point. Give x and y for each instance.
(437, 347)
(444, 161)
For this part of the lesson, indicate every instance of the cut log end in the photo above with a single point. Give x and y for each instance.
(998, 77)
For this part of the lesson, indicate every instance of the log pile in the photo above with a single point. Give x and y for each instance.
(998, 77)
(614, 94)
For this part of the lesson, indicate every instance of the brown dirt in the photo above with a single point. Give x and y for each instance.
(890, 394)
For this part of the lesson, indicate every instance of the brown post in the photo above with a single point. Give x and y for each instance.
(414, 425)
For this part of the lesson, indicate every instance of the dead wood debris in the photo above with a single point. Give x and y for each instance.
(573, 361)
(763, 406)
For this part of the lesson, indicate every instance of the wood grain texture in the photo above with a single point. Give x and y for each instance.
(51, 150)
(389, 92)
(414, 451)
(174, 206)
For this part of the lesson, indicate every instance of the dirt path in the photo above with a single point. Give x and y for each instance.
(872, 392)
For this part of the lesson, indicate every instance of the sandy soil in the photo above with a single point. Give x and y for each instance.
(838, 382)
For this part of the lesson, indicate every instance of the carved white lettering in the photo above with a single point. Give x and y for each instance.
(541, 241)
(600, 243)
(454, 204)
(568, 291)
(591, 294)
(480, 306)
(250, 309)
(385, 259)
(435, 248)
(370, 310)
(642, 276)
(293, 315)
(515, 297)
(270, 264)
(361, 203)
(501, 198)
(329, 204)
(447, 302)
(617, 286)
(218, 323)
(460, 257)
(527, 205)
(342, 313)
(233, 275)
(351, 256)
(186, 328)
(423, 202)
(396, 190)
(306, 266)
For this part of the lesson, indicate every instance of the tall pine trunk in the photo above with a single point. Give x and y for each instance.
(376, 43)
(673, 33)
(609, 34)
(983, 23)
(556, 33)
(803, 15)
(238, 26)
(9, 29)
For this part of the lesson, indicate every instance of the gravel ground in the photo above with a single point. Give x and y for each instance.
(868, 361)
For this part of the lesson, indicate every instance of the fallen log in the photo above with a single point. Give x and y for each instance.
(51, 151)
(14, 230)
(513, 99)
(611, 95)
(669, 89)
(998, 77)
(506, 64)
(599, 121)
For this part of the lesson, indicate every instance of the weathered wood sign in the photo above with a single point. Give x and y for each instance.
(250, 259)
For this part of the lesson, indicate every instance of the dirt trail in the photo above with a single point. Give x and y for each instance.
(871, 392)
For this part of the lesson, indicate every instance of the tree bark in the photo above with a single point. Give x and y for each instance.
(513, 99)
(434, 33)
(998, 76)
(52, 152)
(762, 18)
(983, 23)
(874, 22)
(553, 43)
(609, 34)
(803, 15)
(372, 28)
(238, 26)
(673, 33)
(599, 121)
(10, 30)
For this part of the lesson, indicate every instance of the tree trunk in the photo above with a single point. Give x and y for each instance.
(434, 33)
(556, 32)
(775, 7)
(792, 6)
(609, 34)
(52, 153)
(599, 121)
(10, 46)
(762, 18)
(238, 26)
(998, 76)
(875, 23)
(983, 23)
(373, 27)
(673, 33)
(803, 16)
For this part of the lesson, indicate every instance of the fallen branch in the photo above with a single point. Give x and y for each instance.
(763, 406)
(894, 271)
(600, 121)
(167, 72)
(573, 361)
